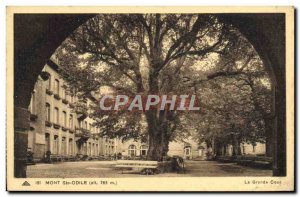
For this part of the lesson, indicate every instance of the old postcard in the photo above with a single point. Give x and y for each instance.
(150, 99)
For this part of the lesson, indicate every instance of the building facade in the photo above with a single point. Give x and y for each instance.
(55, 125)
(187, 149)
(134, 148)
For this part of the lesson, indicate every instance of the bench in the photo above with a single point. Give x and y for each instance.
(55, 157)
(148, 167)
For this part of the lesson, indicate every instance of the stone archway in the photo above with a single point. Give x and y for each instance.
(36, 37)
(266, 32)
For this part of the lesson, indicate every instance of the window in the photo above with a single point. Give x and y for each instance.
(63, 146)
(72, 94)
(56, 86)
(55, 145)
(48, 112)
(97, 151)
(89, 149)
(49, 83)
(132, 150)
(56, 115)
(63, 93)
(143, 150)
(187, 151)
(64, 119)
(85, 148)
(70, 146)
(112, 149)
(71, 121)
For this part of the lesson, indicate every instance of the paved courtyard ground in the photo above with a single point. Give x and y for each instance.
(102, 169)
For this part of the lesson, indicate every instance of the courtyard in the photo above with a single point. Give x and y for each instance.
(103, 169)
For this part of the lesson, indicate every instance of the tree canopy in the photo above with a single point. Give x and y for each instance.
(169, 54)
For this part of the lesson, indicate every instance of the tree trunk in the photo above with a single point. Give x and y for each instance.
(158, 136)
(236, 145)
(233, 145)
(218, 148)
(158, 144)
(225, 147)
(156, 119)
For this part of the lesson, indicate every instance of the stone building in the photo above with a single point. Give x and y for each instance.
(134, 148)
(188, 149)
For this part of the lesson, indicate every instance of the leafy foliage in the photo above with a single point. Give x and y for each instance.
(169, 54)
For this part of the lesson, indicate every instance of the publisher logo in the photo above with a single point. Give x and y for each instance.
(25, 184)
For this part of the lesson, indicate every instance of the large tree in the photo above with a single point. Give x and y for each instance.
(146, 54)
(237, 98)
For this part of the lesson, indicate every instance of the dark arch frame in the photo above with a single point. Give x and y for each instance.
(36, 37)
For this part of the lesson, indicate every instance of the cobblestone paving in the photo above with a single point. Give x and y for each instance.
(102, 169)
